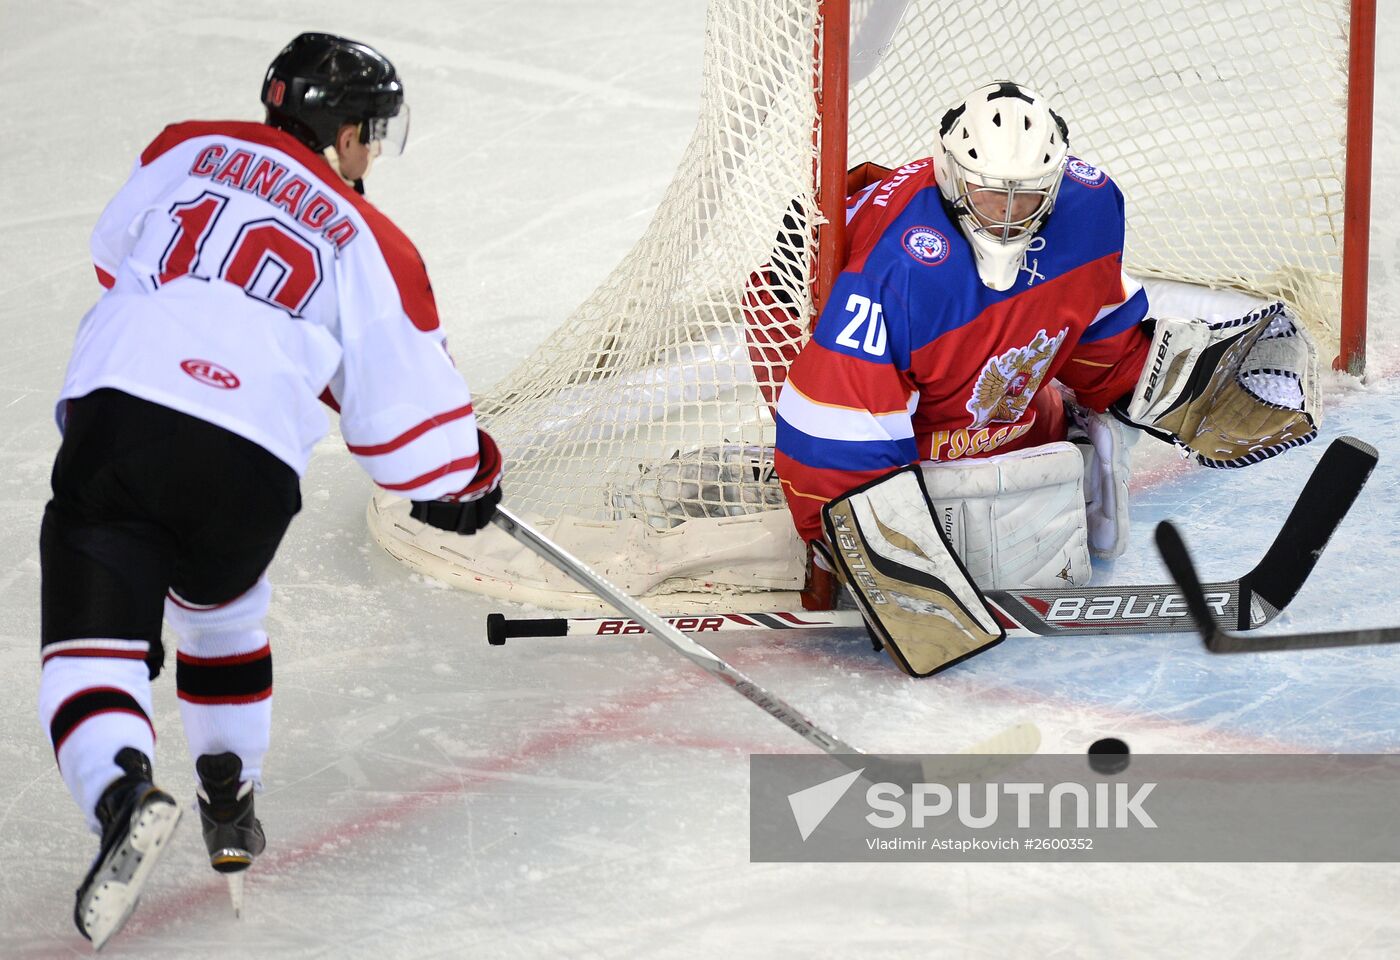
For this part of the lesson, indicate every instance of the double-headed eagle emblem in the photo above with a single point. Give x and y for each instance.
(1006, 384)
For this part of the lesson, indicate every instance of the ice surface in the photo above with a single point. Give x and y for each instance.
(429, 796)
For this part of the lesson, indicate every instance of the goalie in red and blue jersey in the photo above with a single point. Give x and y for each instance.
(982, 319)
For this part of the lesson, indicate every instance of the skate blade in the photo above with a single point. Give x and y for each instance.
(235, 892)
(111, 899)
(232, 862)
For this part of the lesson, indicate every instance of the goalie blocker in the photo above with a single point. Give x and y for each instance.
(917, 598)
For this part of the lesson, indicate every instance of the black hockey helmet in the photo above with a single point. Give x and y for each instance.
(320, 82)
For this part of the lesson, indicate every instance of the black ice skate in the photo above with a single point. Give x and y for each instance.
(231, 831)
(137, 820)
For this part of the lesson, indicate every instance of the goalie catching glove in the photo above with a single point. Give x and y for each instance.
(914, 592)
(471, 508)
(1231, 392)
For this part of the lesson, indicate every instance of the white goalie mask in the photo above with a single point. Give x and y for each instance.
(1001, 155)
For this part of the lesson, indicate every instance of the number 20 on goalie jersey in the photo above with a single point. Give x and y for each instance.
(914, 358)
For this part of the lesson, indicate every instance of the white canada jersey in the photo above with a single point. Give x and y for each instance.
(245, 279)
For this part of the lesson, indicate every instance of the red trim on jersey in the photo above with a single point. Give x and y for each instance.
(105, 278)
(838, 380)
(808, 489)
(411, 434)
(466, 463)
(264, 651)
(488, 471)
(329, 399)
(405, 263)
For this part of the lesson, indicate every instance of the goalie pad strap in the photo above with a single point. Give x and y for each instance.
(914, 593)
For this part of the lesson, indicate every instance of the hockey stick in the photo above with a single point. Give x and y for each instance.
(1016, 740)
(1247, 602)
(500, 628)
(1178, 561)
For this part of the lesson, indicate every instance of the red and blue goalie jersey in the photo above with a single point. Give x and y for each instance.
(913, 358)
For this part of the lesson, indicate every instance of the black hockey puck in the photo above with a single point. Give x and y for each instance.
(1108, 756)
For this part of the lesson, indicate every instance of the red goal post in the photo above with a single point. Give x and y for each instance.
(1356, 242)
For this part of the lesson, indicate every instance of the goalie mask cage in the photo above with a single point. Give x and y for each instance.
(639, 436)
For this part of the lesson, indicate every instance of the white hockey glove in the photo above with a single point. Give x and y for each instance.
(1230, 392)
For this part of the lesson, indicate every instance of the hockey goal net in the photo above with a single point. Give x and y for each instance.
(639, 436)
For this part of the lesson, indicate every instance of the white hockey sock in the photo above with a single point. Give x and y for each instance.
(92, 705)
(224, 676)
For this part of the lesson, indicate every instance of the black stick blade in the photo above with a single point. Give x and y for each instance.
(1183, 571)
(1330, 491)
(1333, 487)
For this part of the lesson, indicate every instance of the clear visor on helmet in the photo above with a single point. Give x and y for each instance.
(1004, 210)
(387, 135)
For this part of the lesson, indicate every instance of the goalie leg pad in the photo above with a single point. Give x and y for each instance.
(914, 593)
(1016, 520)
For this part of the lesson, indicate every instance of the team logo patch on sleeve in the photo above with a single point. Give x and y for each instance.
(1085, 173)
(926, 245)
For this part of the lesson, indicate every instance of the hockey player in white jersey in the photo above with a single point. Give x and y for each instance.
(247, 276)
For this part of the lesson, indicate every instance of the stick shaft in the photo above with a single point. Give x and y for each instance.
(1223, 641)
(773, 705)
(1051, 612)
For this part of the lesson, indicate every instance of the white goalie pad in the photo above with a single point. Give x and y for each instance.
(1015, 519)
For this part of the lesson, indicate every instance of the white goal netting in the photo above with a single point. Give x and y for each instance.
(639, 435)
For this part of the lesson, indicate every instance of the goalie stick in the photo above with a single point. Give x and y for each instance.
(1016, 740)
(1245, 603)
(1178, 561)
